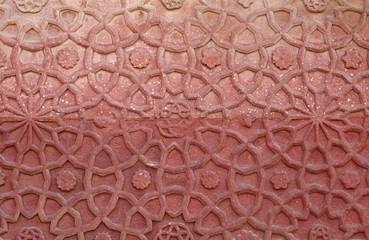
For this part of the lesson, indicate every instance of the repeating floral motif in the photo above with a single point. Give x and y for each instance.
(67, 58)
(141, 179)
(282, 58)
(352, 58)
(235, 121)
(280, 179)
(66, 180)
(30, 233)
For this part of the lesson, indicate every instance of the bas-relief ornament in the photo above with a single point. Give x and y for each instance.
(172, 4)
(141, 179)
(350, 179)
(140, 58)
(30, 6)
(316, 6)
(210, 179)
(352, 58)
(211, 57)
(192, 156)
(174, 230)
(246, 3)
(318, 232)
(280, 179)
(30, 233)
(66, 180)
(282, 58)
(67, 58)
(102, 236)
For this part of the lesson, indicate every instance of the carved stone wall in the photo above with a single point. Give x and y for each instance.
(184, 119)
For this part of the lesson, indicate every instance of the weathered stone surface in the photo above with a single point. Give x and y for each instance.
(184, 119)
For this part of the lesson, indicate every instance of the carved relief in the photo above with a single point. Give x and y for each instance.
(210, 179)
(211, 57)
(282, 58)
(350, 179)
(175, 230)
(280, 179)
(172, 4)
(30, 6)
(141, 179)
(30, 233)
(319, 232)
(140, 58)
(67, 58)
(66, 180)
(102, 236)
(133, 133)
(352, 58)
(246, 3)
(316, 6)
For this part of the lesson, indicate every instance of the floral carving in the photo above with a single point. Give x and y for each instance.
(211, 57)
(175, 107)
(319, 232)
(247, 235)
(66, 180)
(352, 58)
(2, 178)
(2, 58)
(172, 4)
(316, 6)
(140, 58)
(282, 58)
(175, 231)
(67, 58)
(280, 179)
(30, 6)
(246, 3)
(350, 179)
(141, 179)
(210, 179)
(102, 236)
(173, 128)
(30, 233)
(103, 122)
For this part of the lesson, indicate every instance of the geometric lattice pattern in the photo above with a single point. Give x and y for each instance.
(184, 119)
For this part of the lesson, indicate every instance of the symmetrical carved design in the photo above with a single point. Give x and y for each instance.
(30, 6)
(316, 6)
(140, 58)
(66, 180)
(352, 58)
(214, 120)
(174, 230)
(67, 58)
(30, 233)
(172, 4)
(282, 57)
(210, 179)
(211, 57)
(246, 3)
(141, 179)
(320, 232)
(280, 179)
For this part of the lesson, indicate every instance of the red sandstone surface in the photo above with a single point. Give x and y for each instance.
(184, 119)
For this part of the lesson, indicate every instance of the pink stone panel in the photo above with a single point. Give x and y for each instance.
(184, 119)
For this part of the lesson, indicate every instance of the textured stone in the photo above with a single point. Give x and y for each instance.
(184, 119)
